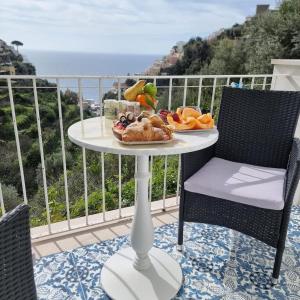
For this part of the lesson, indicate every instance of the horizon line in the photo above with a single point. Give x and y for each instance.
(91, 52)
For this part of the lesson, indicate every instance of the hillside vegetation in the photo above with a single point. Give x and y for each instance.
(245, 48)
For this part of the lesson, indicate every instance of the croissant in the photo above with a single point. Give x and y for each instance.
(143, 131)
(156, 121)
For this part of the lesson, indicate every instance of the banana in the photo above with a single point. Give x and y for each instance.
(131, 93)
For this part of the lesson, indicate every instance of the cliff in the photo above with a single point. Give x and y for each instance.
(12, 62)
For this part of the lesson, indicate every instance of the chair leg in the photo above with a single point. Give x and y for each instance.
(277, 265)
(180, 235)
(181, 221)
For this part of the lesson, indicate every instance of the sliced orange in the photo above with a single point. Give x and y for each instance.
(205, 119)
(188, 124)
(190, 112)
(200, 125)
(179, 112)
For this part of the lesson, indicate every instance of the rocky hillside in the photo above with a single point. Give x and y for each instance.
(11, 57)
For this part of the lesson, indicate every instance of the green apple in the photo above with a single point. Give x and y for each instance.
(150, 89)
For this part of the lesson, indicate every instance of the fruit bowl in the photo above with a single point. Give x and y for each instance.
(190, 119)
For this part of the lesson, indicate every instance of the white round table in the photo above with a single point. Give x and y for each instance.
(141, 271)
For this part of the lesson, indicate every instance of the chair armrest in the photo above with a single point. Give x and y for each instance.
(193, 161)
(293, 172)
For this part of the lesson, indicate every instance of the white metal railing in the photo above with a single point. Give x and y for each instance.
(199, 82)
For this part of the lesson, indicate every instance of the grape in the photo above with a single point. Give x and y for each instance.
(163, 115)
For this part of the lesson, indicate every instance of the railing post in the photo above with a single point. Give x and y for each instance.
(2, 201)
(199, 92)
(165, 182)
(13, 114)
(63, 151)
(103, 186)
(213, 96)
(83, 154)
(120, 184)
(38, 120)
(100, 87)
(120, 160)
(184, 92)
(252, 83)
(178, 179)
(150, 181)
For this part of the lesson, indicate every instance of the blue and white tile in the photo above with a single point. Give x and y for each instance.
(217, 264)
(56, 278)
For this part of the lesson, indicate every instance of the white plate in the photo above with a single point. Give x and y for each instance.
(194, 130)
(145, 142)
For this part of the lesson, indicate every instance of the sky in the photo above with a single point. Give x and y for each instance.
(117, 26)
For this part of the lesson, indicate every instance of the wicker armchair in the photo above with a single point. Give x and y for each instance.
(256, 134)
(16, 267)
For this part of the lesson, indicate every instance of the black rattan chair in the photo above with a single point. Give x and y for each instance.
(16, 266)
(256, 128)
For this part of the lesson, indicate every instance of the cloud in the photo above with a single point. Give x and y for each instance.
(116, 25)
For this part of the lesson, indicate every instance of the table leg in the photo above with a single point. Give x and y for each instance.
(141, 271)
(142, 227)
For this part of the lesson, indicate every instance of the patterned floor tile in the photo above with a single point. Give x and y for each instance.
(91, 259)
(217, 264)
(56, 278)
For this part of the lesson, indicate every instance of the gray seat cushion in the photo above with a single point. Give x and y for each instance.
(238, 182)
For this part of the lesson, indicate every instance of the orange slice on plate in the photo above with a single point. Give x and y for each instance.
(190, 112)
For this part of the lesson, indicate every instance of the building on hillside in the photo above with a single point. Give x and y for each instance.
(167, 61)
(155, 68)
(262, 8)
(6, 66)
(7, 70)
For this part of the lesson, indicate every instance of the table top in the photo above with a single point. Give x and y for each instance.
(96, 134)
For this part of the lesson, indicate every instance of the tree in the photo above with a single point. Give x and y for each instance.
(130, 82)
(228, 58)
(10, 196)
(17, 44)
(175, 48)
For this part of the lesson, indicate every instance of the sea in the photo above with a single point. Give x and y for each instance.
(78, 63)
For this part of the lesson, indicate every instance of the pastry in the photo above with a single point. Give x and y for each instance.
(144, 114)
(146, 128)
(144, 131)
(156, 121)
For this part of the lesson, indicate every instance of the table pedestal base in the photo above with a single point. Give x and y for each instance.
(121, 281)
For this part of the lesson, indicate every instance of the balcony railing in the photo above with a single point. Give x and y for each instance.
(202, 91)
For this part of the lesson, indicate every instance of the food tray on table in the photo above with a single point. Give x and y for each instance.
(145, 142)
(194, 130)
(146, 129)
